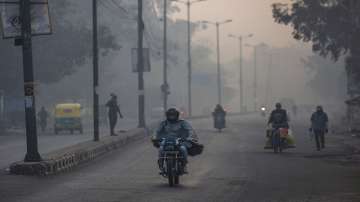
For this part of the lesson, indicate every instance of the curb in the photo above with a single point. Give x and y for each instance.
(69, 157)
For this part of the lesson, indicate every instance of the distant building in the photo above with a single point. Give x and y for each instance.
(353, 113)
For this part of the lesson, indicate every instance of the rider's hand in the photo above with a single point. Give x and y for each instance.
(156, 142)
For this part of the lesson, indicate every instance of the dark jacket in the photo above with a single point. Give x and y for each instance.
(114, 108)
(279, 118)
(43, 115)
(219, 111)
(319, 121)
(180, 129)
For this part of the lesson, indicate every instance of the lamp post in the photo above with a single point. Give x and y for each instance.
(256, 47)
(32, 154)
(241, 81)
(217, 25)
(165, 85)
(140, 63)
(95, 72)
(189, 3)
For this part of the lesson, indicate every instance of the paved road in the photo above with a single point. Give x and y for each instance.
(234, 167)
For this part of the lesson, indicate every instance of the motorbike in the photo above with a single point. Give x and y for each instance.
(172, 161)
(279, 139)
(219, 121)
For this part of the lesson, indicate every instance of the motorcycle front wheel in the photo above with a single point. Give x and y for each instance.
(170, 172)
(276, 143)
(177, 180)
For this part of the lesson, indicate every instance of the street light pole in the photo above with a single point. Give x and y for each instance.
(188, 4)
(95, 73)
(189, 60)
(140, 67)
(218, 63)
(217, 25)
(165, 84)
(262, 45)
(32, 154)
(255, 79)
(268, 83)
(241, 81)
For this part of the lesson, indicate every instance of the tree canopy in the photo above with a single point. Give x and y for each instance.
(332, 26)
(56, 55)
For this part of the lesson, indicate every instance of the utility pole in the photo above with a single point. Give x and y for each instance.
(189, 61)
(140, 64)
(217, 25)
(255, 79)
(268, 84)
(241, 81)
(95, 73)
(165, 87)
(262, 45)
(188, 4)
(32, 154)
(218, 63)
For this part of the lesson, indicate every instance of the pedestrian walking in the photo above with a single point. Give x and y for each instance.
(319, 126)
(43, 116)
(114, 111)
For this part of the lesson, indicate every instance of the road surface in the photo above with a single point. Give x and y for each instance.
(234, 167)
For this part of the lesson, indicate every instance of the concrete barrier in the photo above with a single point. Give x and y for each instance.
(69, 157)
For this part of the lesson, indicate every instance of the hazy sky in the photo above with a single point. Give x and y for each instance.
(249, 16)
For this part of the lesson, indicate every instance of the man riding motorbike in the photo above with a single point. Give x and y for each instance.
(279, 118)
(219, 115)
(174, 127)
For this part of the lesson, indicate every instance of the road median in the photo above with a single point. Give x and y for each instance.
(65, 159)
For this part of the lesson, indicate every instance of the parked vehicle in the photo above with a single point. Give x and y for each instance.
(68, 118)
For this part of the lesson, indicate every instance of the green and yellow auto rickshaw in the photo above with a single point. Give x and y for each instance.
(68, 118)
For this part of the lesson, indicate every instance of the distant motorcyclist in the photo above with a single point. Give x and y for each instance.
(319, 126)
(43, 116)
(219, 115)
(263, 111)
(114, 110)
(279, 118)
(219, 110)
(174, 127)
